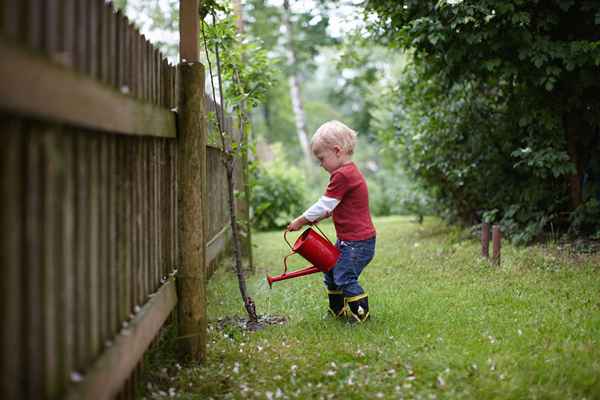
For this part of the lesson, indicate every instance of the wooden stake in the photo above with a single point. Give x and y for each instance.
(496, 240)
(485, 240)
(192, 215)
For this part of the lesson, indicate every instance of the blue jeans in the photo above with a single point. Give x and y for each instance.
(354, 257)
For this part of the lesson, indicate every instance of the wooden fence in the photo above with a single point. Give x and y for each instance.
(88, 169)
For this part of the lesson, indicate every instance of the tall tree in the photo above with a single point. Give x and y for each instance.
(294, 82)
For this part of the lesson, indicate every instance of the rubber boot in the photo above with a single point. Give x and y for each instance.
(336, 303)
(358, 308)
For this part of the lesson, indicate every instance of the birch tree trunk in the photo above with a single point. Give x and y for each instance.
(294, 81)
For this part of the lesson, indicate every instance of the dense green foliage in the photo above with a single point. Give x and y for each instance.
(498, 114)
(445, 325)
(279, 193)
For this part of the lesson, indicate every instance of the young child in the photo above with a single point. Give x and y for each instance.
(347, 199)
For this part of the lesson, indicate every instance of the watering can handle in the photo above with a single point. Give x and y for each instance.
(285, 266)
(285, 238)
(315, 225)
(322, 233)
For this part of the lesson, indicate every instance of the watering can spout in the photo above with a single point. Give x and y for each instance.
(294, 274)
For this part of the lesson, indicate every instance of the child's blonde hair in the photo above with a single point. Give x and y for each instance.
(333, 133)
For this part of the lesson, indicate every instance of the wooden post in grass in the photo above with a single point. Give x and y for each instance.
(496, 240)
(485, 240)
(191, 167)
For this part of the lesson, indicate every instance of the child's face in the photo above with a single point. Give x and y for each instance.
(330, 158)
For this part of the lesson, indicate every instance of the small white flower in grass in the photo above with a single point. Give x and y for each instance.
(441, 383)
(330, 373)
(391, 371)
(76, 376)
(269, 395)
(178, 366)
(360, 353)
(172, 392)
(416, 244)
(278, 393)
(236, 368)
(520, 332)
(379, 395)
(259, 348)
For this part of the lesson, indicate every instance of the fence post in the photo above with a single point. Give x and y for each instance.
(191, 166)
(496, 240)
(485, 240)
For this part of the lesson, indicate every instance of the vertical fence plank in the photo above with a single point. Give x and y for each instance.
(158, 217)
(52, 166)
(151, 213)
(93, 283)
(11, 17)
(35, 23)
(32, 291)
(113, 238)
(94, 42)
(113, 46)
(102, 231)
(68, 304)
(137, 264)
(13, 187)
(81, 253)
(80, 60)
(125, 222)
(52, 27)
(68, 20)
(131, 56)
(141, 71)
(104, 52)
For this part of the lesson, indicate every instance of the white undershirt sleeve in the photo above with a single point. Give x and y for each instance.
(321, 208)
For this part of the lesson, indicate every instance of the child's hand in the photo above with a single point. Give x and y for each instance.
(297, 224)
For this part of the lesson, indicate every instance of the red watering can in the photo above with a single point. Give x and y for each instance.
(315, 248)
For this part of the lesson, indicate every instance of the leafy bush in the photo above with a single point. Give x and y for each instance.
(278, 194)
(498, 119)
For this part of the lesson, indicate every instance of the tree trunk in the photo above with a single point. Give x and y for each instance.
(574, 180)
(237, 251)
(294, 81)
(244, 206)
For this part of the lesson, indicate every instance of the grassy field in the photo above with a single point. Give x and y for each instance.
(445, 325)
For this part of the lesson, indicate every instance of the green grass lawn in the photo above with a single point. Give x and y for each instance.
(445, 324)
